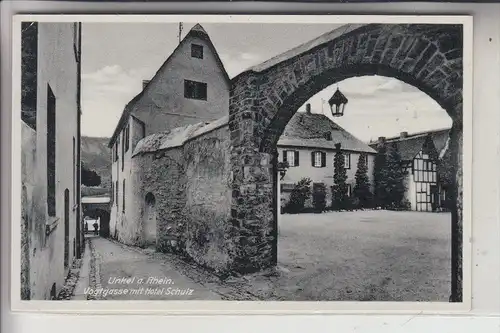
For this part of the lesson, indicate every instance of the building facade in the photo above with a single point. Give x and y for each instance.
(308, 146)
(422, 154)
(191, 87)
(50, 121)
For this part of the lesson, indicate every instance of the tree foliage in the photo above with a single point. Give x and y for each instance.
(362, 190)
(298, 197)
(396, 174)
(90, 177)
(340, 199)
(380, 177)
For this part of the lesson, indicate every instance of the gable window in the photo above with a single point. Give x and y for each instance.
(196, 51)
(347, 160)
(195, 90)
(318, 159)
(292, 157)
(51, 152)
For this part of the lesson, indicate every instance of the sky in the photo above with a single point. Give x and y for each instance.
(116, 57)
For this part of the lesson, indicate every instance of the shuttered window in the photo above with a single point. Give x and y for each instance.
(292, 157)
(318, 159)
(347, 160)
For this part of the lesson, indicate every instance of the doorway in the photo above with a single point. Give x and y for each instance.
(150, 220)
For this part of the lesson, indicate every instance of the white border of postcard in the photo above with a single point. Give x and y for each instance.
(244, 307)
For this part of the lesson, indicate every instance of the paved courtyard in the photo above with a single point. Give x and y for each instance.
(352, 256)
(364, 255)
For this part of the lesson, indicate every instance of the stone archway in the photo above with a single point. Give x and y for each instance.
(265, 98)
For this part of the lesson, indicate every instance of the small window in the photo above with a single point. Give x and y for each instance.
(195, 90)
(127, 137)
(292, 157)
(196, 51)
(347, 160)
(318, 159)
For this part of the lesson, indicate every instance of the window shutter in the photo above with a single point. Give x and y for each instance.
(285, 153)
(323, 159)
(296, 153)
(312, 158)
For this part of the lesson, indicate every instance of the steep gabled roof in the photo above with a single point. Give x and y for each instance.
(439, 136)
(314, 130)
(196, 31)
(410, 146)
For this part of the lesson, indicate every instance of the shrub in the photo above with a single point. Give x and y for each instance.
(319, 197)
(298, 196)
(339, 189)
(362, 192)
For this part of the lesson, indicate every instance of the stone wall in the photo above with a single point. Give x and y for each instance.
(191, 187)
(208, 199)
(161, 174)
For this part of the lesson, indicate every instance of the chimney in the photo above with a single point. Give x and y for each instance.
(403, 135)
(337, 146)
(144, 83)
(308, 108)
(381, 141)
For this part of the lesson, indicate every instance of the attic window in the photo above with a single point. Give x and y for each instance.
(196, 51)
(195, 90)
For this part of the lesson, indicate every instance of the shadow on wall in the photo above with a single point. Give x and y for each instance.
(208, 238)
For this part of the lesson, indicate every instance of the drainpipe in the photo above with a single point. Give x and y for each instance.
(79, 232)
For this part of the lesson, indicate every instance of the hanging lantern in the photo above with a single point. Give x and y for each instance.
(282, 168)
(337, 103)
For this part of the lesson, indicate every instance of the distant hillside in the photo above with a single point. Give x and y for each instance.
(97, 156)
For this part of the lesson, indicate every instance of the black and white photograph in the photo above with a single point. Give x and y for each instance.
(265, 158)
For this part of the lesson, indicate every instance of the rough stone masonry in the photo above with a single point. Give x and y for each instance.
(263, 100)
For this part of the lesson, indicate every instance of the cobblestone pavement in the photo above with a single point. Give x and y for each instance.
(125, 273)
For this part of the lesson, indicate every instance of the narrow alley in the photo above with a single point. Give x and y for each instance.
(119, 272)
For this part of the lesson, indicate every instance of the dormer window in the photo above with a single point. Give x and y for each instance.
(196, 51)
(328, 136)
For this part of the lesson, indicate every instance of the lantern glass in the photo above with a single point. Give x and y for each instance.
(337, 103)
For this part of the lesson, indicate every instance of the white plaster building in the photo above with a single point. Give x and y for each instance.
(191, 87)
(50, 117)
(308, 145)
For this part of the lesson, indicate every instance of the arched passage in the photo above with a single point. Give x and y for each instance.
(150, 219)
(264, 99)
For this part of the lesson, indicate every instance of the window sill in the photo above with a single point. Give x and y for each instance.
(51, 224)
